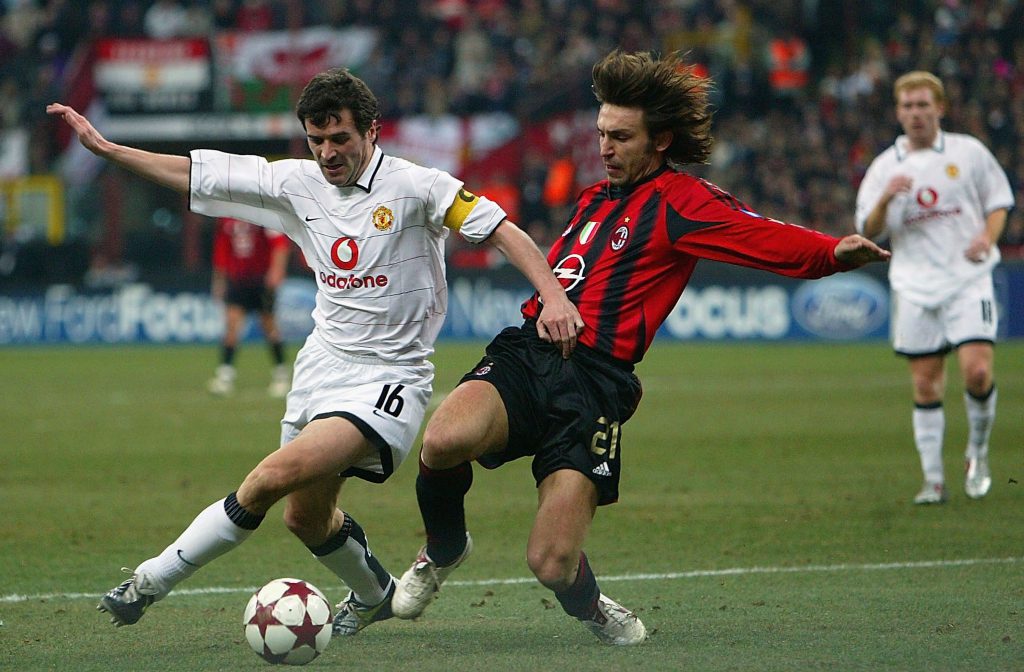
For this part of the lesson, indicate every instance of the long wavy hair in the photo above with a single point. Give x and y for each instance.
(672, 96)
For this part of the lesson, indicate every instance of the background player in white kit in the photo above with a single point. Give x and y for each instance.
(943, 201)
(372, 228)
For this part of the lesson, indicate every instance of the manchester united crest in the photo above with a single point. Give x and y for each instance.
(383, 218)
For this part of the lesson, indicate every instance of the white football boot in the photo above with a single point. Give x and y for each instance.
(280, 382)
(931, 493)
(353, 615)
(978, 479)
(419, 585)
(614, 624)
(223, 382)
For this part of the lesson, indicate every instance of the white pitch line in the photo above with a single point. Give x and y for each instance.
(695, 574)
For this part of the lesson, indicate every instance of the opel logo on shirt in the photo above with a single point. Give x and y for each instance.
(345, 253)
(569, 271)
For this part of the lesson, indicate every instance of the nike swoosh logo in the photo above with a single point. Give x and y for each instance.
(381, 415)
(310, 219)
(182, 558)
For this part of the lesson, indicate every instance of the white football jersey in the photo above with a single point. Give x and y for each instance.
(376, 248)
(956, 183)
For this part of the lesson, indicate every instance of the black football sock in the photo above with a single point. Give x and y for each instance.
(227, 355)
(580, 599)
(441, 494)
(277, 353)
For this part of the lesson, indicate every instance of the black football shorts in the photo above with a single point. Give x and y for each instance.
(253, 296)
(567, 414)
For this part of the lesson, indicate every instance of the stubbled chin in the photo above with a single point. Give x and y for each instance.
(335, 178)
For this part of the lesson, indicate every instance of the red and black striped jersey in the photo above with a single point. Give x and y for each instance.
(626, 255)
(243, 251)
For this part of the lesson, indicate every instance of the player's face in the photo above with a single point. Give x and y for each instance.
(919, 115)
(627, 150)
(339, 149)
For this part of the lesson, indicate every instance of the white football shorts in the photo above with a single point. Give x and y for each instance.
(386, 401)
(970, 315)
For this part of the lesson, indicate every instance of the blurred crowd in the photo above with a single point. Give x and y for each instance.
(802, 88)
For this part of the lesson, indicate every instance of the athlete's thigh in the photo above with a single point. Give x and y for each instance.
(324, 448)
(234, 318)
(469, 423)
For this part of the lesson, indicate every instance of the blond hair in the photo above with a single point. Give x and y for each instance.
(918, 79)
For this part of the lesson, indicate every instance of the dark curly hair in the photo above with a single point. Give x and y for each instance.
(332, 91)
(672, 96)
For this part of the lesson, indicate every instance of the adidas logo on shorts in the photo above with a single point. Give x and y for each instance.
(602, 470)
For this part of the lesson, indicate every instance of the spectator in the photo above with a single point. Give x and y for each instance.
(165, 19)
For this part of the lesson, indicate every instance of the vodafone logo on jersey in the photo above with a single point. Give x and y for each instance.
(569, 271)
(927, 197)
(345, 255)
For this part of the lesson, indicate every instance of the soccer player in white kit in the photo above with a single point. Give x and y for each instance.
(372, 227)
(943, 201)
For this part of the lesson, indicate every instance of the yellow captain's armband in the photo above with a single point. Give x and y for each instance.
(460, 209)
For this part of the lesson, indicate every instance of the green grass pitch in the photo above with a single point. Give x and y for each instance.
(765, 521)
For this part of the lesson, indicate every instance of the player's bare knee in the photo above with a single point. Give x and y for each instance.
(443, 446)
(554, 569)
(927, 390)
(265, 485)
(978, 379)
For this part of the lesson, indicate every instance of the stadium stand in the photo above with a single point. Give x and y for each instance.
(803, 94)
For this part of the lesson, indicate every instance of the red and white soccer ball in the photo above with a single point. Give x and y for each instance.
(288, 621)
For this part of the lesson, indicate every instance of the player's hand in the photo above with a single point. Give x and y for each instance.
(856, 250)
(90, 138)
(897, 185)
(979, 249)
(560, 323)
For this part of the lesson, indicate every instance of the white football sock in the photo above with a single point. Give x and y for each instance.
(210, 535)
(980, 416)
(353, 563)
(929, 426)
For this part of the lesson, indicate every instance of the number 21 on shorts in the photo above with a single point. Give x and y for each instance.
(606, 439)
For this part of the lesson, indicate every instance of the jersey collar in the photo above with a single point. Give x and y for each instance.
(617, 192)
(365, 181)
(903, 145)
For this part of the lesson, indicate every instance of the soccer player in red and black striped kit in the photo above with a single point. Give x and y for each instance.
(624, 259)
(249, 263)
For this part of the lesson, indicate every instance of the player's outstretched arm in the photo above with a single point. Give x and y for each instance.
(559, 322)
(165, 169)
(856, 250)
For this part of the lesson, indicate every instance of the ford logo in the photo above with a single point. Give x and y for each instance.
(841, 307)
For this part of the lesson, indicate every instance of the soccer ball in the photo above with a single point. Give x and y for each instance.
(288, 621)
